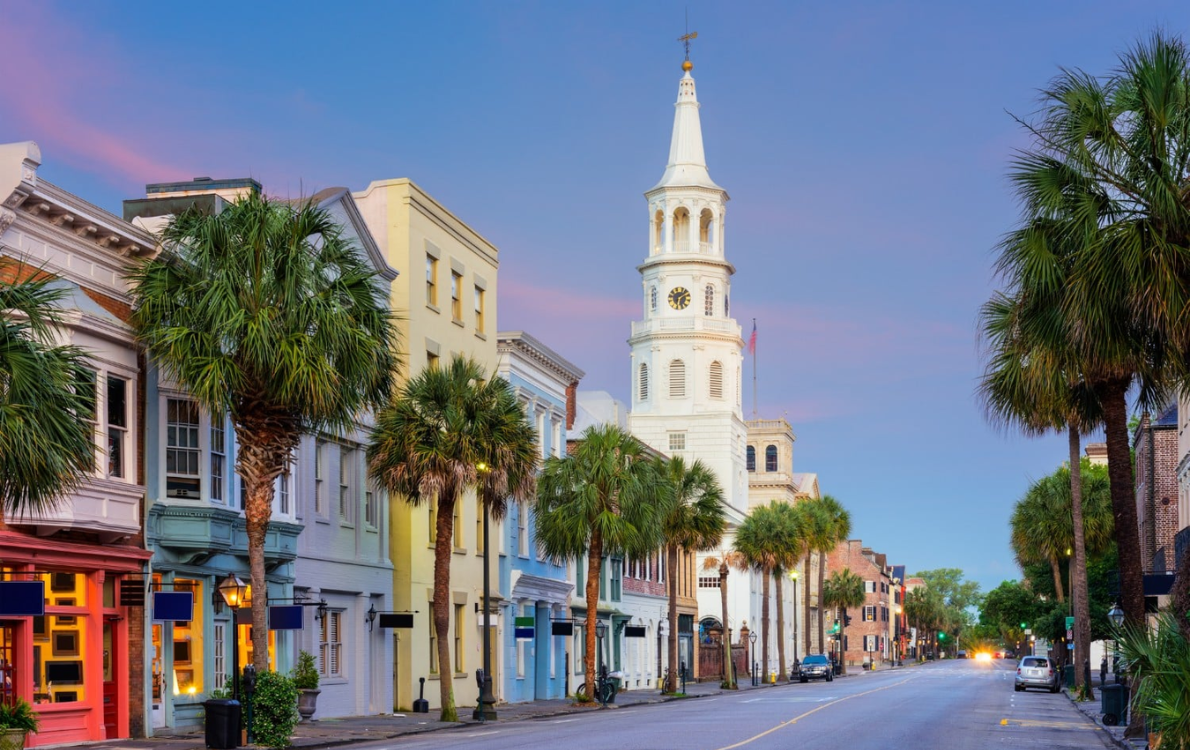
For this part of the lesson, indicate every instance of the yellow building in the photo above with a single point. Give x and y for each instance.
(445, 296)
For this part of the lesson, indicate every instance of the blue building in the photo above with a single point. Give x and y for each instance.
(533, 668)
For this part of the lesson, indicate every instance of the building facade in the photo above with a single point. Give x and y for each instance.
(1156, 445)
(866, 640)
(533, 663)
(81, 663)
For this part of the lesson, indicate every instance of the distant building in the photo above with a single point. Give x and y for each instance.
(1156, 444)
(866, 640)
(1096, 453)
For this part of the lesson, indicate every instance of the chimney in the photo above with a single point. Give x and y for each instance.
(571, 404)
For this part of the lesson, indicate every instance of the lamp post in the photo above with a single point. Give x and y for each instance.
(600, 631)
(484, 710)
(752, 638)
(793, 577)
(1116, 615)
(234, 592)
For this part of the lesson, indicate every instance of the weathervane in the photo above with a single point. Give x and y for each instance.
(688, 37)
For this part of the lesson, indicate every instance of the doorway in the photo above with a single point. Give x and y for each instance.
(110, 698)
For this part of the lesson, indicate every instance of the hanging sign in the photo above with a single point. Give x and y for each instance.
(395, 619)
(562, 628)
(174, 606)
(285, 617)
(634, 631)
(22, 598)
(524, 628)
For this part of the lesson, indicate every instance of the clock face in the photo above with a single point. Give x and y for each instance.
(679, 298)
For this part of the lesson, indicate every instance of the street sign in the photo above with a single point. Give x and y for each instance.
(1069, 635)
(1069, 646)
(1069, 623)
(1028, 631)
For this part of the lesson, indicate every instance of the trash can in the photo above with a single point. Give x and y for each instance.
(1068, 675)
(222, 724)
(1114, 704)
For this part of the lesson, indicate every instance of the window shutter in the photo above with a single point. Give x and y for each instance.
(677, 379)
(716, 380)
(644, 382)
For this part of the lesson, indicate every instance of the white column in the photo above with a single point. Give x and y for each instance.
(667, 230)
(692, 232)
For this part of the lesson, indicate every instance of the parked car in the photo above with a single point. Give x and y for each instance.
(1037, 672)
(815, 667)
(961, 654)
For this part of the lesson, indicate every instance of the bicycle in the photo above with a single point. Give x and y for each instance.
(605, 688)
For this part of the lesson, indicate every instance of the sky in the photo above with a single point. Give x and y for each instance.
(865, 148)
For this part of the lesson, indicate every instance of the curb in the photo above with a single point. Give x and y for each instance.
(1089, 710)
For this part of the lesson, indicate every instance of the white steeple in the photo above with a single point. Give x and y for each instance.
(687, 165)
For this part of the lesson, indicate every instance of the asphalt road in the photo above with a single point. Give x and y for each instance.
(955, 705)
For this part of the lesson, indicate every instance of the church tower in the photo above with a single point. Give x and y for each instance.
(687, 349)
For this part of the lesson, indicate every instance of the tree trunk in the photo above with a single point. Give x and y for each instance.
(443, 553)
(594, 564)
(1113, 396)
(764, 622)
(843, 640)
(821, 609)
(671, 565)
(1056, 569)
(782, 672)
(806, 602)
(1082, 610)
(728, 664)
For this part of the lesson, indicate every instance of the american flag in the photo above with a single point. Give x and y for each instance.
(752, 339)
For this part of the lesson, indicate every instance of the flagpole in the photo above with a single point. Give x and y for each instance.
(753, 347)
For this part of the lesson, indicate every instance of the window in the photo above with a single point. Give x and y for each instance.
(431, 280)
(346, 470)
(869, 613)
(869, 587)
(726, 306)
(371, 515)
(716, 380)
(870, 643)
(432, 529)
(117, 426)
(751, 458)
(330, 645)
(433, 641)
(220, 661)
(181, 449)
(85, 388)
(677, 379)
(707, 582)
(644, 382)
(460, 611)
(319, 489)
(579, 649)
(284, 502)
(770, 458)
(187, 645)
(617, 578)
(580, 569)
(653, 299)
(677, 441)
(218, 459)
(456, 296)
(479, 304)
(458, 526)
(709, 301)
(522, 529)
(431, 360)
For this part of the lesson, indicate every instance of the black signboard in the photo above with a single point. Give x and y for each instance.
(634, 631)
(132, 592)
(286, 617)
(174, 606)
(244, 616)
(22, 598)
(561, 628)
(395, 619)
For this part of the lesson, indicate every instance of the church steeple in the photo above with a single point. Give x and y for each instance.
(687, 165)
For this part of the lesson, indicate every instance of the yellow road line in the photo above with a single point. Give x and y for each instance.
(798, 718)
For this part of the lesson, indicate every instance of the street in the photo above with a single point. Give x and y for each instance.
(957, 705)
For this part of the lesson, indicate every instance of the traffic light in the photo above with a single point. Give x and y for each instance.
(846, 620)
(1024, 625)
(941, 636)
(835, 628)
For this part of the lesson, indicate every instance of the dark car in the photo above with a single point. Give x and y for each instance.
(815, 667)
(1037, 672)
(961, 655)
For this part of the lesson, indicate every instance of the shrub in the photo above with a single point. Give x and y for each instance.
(19, 715)
(305, 674)
(1159, 662)
(274, 710)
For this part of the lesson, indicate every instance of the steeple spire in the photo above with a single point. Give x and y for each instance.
(687, 165)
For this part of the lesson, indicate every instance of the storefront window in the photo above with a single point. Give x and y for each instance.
(60, 641)
(187, 644)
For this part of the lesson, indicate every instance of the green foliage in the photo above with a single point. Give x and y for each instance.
(950, 600)
(769, 538)
(843, 589)
(223, 693)
(19, 715)
(305, 672)
(274, 710)
(1159, 661)
(45, 448)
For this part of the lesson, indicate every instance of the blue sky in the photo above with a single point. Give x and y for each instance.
(864, 147)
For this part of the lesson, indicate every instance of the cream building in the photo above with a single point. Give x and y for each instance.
(445, 296)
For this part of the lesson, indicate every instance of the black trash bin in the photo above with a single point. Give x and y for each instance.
(223, 724)
(1114, 704)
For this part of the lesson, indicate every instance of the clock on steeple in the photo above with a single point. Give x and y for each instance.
(679, 298)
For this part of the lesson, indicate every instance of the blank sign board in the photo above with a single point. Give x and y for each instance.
(395, 620)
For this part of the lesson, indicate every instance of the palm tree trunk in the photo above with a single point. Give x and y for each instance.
(671, 566)
(806, 601)
(821, 610)
(257, 528)
(842, 640)
(261, 456)
(1082, 612)
(1056, 569)
(728, 664)
(1113, 395)
(594, 563)
(764, 622)
(443, 552)
(782, 673)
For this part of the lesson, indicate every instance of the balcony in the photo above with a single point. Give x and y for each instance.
(195, 533)
(108, 508)
(695, 324)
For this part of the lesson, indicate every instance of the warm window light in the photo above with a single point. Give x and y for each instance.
(235, 592)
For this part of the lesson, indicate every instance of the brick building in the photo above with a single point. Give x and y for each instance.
(866, 640)
(1156, 444)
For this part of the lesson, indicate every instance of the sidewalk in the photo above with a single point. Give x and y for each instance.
(1091, 709)
(328, 733)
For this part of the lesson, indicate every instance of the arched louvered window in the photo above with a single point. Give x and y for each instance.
(716, 380)
(726, 305)
(709, 301)
(644, 382)
(653, 299)
(677, 379)
(751, 458)
(770, 458)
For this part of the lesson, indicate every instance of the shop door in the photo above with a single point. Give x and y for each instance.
(8, 675)
(110, 657)
(157, 715)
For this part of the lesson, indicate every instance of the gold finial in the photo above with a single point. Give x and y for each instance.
(687, 66)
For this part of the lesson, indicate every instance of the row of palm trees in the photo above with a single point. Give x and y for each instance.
(1097, 282)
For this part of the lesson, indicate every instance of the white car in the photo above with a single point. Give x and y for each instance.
(1037, 672)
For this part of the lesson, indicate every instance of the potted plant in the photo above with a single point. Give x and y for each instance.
(16, 721)
(305, 679)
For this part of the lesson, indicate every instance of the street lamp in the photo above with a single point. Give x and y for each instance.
(234, 592)
(793, 577)
(752, 638)
(600, 631)
(485, 706)
(1116, 615)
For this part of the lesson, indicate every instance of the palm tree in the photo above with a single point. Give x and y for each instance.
(839, 528)
(46, 395)
(604, 498)
(726, 560)
(923, 609)
(694, 522)
(451, 428)
(760, 541)
(268, 313)
(789, 547)
(843, 590)
(817, 530)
